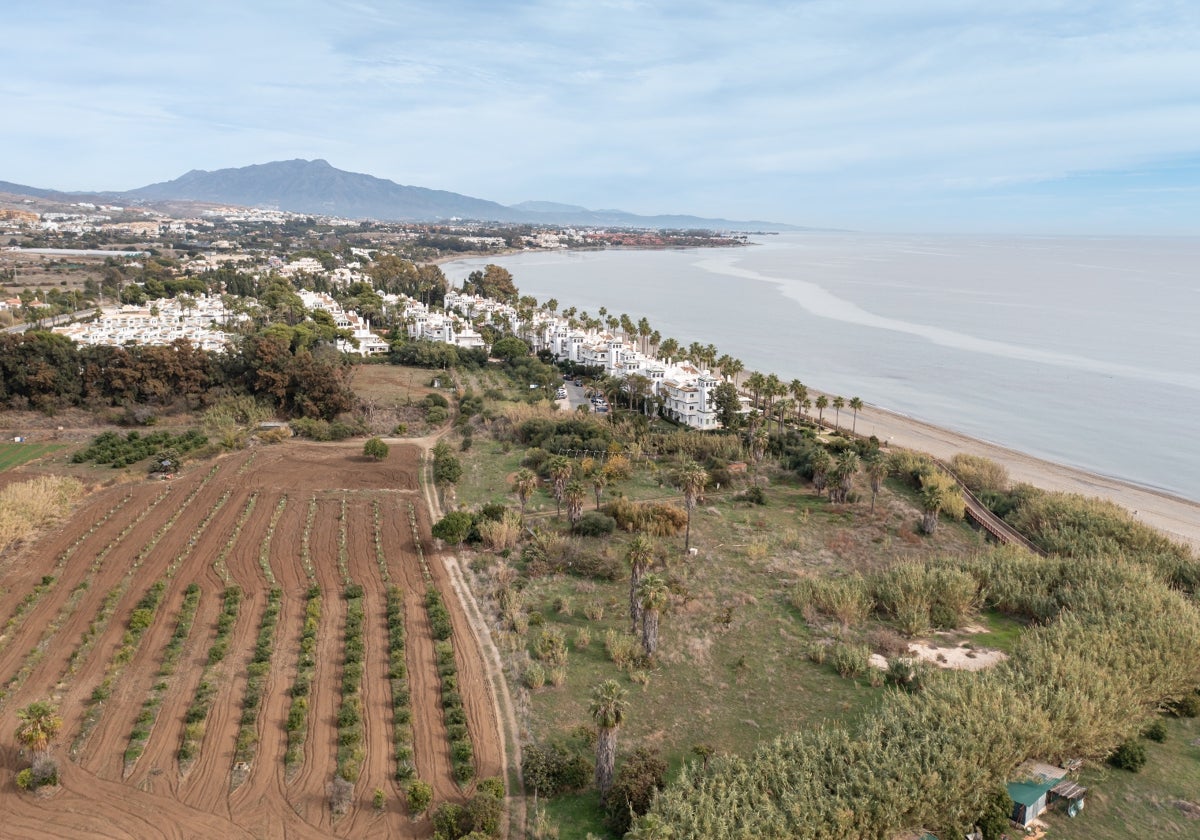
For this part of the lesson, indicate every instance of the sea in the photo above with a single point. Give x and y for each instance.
(1079, 350)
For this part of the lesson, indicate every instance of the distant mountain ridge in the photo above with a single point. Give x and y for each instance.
(317, 187)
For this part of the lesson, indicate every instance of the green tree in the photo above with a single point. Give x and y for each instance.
(509, 348)
(838, 404)
(454, 527)
(842, 476)
(653, 593)
(820, 464)
(37, 725)
(822, 404)
(574, 494)
(728, 404)
(608, 709)
(375, 449)
(876, 466)
(420, 796)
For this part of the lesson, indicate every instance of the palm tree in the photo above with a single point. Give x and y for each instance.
(653, 593)
(638, 556)
(599, 482)
(755, 382)
(822, 404)
(608, 710)
(820, 464)
(838, 404)
(934, 496)
(39, 723)
(644, 332)
(560, 473)
(574, 494)
(843, 476)
(668, 349)
(856, 404)
(692, 479)
(877, 470)
(524, 483)
(799, 392)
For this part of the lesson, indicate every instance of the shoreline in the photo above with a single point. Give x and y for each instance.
(1176, 517)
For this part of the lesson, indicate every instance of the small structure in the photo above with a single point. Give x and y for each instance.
(1039, 787)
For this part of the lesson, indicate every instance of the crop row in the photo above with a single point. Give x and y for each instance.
(196, 717)
(306, 665)
(219, 564)
(416, 535)
(462, 753)
(380, 557)
(257, 672)
(343, 552)
(146, 719)
(306, 541)
(100, 620)
(350, 752)
(139, 621)
(35, 654)
(49, 581)
(402, 723)
(264, 549)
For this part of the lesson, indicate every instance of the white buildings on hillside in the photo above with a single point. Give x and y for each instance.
(687, 393)
(200, 320)
(369, 344)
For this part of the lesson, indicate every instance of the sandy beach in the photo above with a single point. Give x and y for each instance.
(1176, 517)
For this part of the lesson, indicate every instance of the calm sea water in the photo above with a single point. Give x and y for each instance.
(1084, 351)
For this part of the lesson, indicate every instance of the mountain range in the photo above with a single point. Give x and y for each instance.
(316, 187)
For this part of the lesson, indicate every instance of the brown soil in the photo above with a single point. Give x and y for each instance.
(156, 799)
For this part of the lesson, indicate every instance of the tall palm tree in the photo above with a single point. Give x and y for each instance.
(524, 482)
(574, 494)
(820, 464)
(877, 469)
(934, 497)
(842, 476)
(608, 711)
(692, 479)
(856, 404)
(638, 556)
(799, 392)
(599, 482)
(755, 382)
(668, 349)
(822, 404)
(653, 593)
(838, 404)
(39, 723)
(560, 473)
(644, 332)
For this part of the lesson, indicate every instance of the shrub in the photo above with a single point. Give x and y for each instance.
(1131, 756)
(850, 660)
(595, 524)
(1156, 731)
(1187, 706)
(535, 676)
(554, 769)
(638, 779)
(419, 796)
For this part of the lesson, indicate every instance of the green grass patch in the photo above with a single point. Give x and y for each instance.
(15, 454)
(1002, 631)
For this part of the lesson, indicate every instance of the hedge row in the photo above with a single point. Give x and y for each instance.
(402, 730)
(170, 658)
(350, 751)
(306, 665)
(196, 716)
(257, 671)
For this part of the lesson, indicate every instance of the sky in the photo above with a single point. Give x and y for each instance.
(1054, 116)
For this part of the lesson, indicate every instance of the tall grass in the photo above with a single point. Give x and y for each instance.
(31, 505)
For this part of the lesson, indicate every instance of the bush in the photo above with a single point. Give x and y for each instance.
(633, 789)
(595, 524)
(554, 769)
(1187, 706)
(1156, 731)
(1130, 756)
(849, 660)
(454, 527)
(419, 795)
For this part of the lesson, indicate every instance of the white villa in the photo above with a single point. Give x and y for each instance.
(369, 344)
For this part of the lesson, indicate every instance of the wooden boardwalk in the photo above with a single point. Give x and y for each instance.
(1000, 530)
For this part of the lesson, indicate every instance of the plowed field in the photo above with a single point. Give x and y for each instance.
(212, 526)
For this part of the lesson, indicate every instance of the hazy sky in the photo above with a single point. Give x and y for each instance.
(1001, 115)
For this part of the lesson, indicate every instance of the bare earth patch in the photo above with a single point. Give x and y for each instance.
(959, 657)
